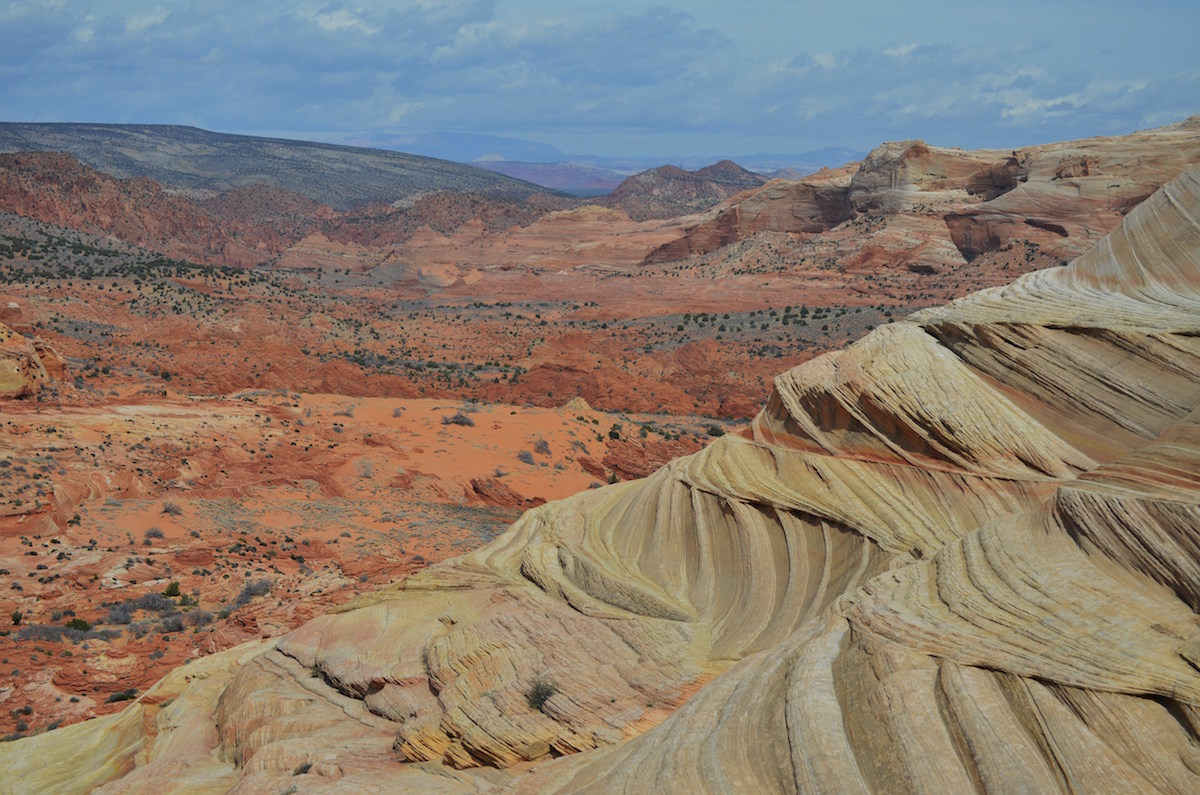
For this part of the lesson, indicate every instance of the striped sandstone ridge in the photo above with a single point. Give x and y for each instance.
(960, 555)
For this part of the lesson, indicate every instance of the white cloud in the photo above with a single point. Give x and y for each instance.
(342, 19)
(139, 23)
(900, 52)
(825, 60)
(604, 72)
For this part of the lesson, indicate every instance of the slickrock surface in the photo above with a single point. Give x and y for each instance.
(960, 555)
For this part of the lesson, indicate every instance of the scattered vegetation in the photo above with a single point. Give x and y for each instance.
(124, 695)
(540, 691)
(459, 418)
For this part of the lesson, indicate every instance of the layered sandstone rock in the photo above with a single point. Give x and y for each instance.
(960, 555)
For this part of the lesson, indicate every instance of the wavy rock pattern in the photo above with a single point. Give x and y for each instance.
(961, 555)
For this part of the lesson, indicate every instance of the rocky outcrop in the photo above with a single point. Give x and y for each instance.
(493, 491)
(1060, 197)
(26, 365)
(806, 206)
(894, 174)
(959, 555)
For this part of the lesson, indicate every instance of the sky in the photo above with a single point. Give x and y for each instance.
(615, 77)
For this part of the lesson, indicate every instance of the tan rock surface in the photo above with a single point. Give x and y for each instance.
(959, 555)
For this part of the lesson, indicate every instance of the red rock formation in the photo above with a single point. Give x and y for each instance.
(492, 491)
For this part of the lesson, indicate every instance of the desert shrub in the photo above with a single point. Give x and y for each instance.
(154, 532)
(172, 508)
(52, 634)
(541, 447)
(459, 418)
(119, 614)
(198, 618)
(78, 624)
(124, 695)
(539, 692)
(253, 589)
(171, 624)
(525, 457)
(152, 602)
(715, 430)
(172, 589)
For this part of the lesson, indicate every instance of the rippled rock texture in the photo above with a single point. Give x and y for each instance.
(961, 555)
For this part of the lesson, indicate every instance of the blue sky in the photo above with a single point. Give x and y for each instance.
(612, 78)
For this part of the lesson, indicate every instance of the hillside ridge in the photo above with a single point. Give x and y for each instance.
(204, 163)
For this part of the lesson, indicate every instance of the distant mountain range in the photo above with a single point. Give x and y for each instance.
(202, 163)
(585, 174)
(361, 170)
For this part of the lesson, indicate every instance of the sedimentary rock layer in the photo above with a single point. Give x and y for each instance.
(960, 555)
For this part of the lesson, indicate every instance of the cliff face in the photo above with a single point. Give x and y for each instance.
(960, 555)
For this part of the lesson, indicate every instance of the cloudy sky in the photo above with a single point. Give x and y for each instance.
(614, 77)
